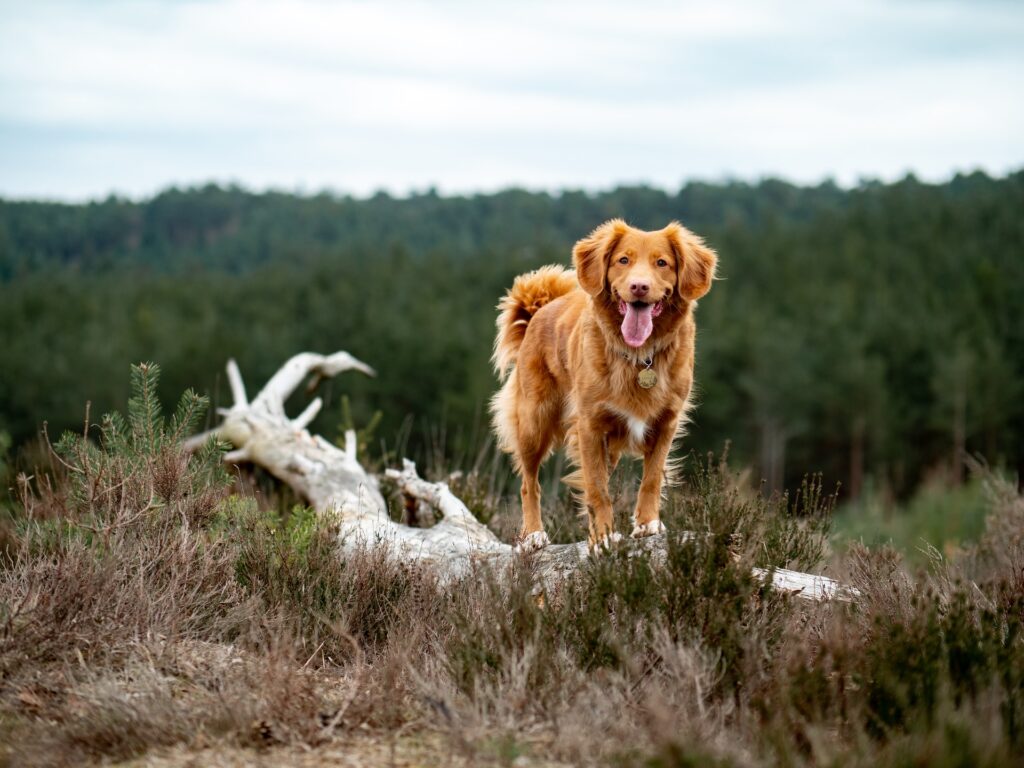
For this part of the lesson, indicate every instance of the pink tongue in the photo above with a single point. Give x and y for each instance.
(637, 325)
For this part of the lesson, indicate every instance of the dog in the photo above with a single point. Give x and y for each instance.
(600, 360)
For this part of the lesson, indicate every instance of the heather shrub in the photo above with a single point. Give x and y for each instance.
(143, 608)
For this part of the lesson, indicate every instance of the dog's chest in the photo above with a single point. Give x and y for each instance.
(635, 427)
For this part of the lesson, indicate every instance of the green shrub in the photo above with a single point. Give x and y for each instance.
(937, 515)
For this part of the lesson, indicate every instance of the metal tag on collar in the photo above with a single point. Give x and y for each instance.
(647, 378)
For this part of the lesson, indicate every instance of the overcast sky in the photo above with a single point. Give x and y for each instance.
(131, 97)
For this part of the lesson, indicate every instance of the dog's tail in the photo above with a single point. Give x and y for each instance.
(528, 293)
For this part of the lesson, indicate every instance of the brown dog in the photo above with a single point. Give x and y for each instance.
(602, 361)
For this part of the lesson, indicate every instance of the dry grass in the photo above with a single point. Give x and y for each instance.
(147, 615)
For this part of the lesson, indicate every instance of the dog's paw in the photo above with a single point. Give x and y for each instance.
(532, 542)
(653, 528)
(605, 543)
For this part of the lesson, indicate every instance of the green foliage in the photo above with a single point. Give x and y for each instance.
(937, 516)
(293, 565)
(609, 613)
(287, 559)
(784, 530)
(676, 755)
(142, 453)
(364, 435)
(132, 626)
(865, 332)
(7, 536)
(700, 595)
(922, 671)
(5, 455)
(914, 672)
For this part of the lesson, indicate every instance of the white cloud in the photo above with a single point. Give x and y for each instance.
(357, 96)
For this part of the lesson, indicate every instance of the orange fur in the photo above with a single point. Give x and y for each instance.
(528, 294)
(573, 378)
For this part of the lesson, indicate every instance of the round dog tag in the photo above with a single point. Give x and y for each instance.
(647, 378)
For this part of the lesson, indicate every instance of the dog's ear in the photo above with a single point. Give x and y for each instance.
(695, 262)
(590, 255)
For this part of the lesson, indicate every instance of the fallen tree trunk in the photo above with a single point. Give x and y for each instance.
(334, 482)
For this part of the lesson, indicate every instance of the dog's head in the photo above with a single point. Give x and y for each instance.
(640, 273)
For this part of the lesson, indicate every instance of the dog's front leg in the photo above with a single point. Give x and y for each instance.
(648, 500)
(594, 465)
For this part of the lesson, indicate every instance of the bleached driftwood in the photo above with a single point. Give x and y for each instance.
(557, 561)
(334, 483)
(261, 433)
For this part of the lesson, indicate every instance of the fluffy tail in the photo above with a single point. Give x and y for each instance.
(528, 293)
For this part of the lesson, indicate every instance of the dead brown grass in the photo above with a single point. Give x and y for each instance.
(147, 615)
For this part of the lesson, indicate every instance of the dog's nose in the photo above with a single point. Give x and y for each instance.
(640, 289)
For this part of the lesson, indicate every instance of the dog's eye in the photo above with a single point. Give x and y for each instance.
(662, 263)
(624, 260)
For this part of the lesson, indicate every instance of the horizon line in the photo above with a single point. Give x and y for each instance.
(299, 191)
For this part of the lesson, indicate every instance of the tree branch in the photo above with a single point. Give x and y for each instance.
(334, 483)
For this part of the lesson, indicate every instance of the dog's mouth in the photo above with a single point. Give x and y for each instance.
(638, 321)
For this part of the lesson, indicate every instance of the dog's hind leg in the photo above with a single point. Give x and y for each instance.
(534, 439)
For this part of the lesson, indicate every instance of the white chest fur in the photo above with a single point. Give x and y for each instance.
(637, 429)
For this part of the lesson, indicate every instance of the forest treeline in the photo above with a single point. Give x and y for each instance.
(870, 332)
